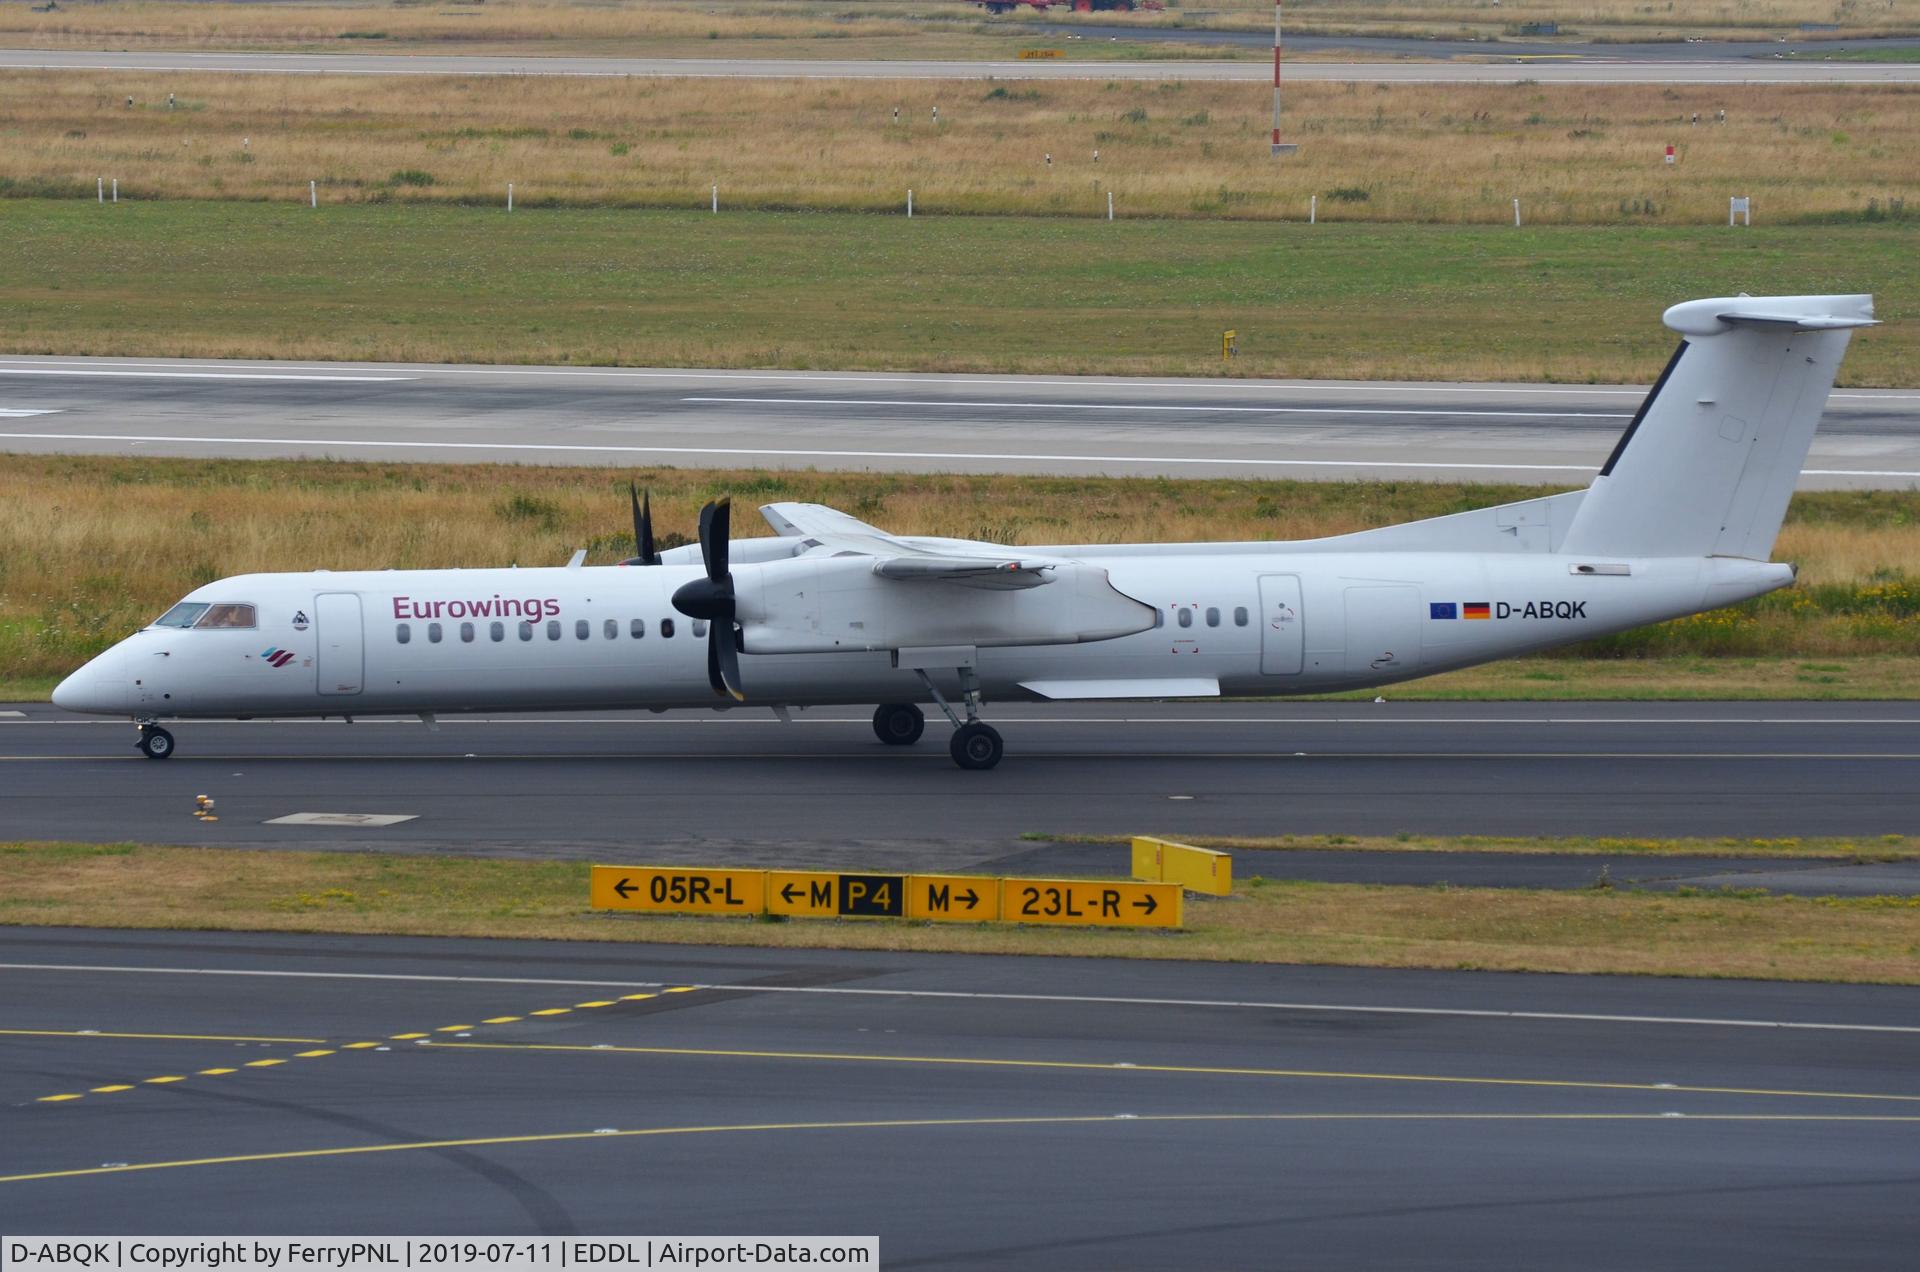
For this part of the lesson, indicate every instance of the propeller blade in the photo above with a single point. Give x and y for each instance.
(723, 662)
(643, 527)
(715, 523)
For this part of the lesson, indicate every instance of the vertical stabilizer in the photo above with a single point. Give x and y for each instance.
(1710, 460)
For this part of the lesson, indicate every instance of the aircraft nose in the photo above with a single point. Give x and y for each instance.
(98, 688)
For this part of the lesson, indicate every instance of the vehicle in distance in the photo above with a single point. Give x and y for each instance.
(1681, 519)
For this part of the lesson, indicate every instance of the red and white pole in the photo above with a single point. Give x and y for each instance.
(1279, 147)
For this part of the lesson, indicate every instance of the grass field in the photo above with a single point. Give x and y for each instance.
(1254, 853)
(1443, 154)
(892, 28)
(935, 293)
(1870, 939)
(82, 567)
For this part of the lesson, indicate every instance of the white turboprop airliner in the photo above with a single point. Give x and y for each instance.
(831, 610)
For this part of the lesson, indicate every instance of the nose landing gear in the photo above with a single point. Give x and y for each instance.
(155, 742)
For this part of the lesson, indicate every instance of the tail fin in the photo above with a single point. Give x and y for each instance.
(1710, 460)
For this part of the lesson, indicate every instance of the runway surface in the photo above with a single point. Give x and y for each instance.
(742, 788)
(1704, 71)
(974, 1112)
(1545, 434)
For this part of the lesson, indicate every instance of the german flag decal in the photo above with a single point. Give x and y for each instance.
(1477, 609)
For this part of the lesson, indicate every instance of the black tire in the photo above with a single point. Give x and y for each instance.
(975, 746)
(898, 723)
(156, 744)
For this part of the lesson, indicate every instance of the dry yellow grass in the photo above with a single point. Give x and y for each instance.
(1873, 939)
(1424, 153)
(887, 28)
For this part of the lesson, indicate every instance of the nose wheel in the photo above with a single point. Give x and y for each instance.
(155, 742)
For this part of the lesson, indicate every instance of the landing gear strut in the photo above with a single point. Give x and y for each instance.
(898, 723)
(155, 742)
(974, 745)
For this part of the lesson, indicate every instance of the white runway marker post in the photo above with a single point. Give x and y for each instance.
(909, 205)
(1516, 214)
(509, 196)
(716, 200)
(1313, 209)
(1109, 205)
(116, 189)
(313, 194)
(100, 191)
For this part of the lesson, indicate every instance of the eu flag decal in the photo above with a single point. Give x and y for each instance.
(1442, 609)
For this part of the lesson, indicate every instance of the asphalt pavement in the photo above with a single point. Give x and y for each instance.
(973, 1112)
(742, 788)
(1706, 70)
(1544, 434)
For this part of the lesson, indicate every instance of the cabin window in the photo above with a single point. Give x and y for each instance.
(433, 633)
(466, 633)
(1213, 616)
(1239, 616)
(182, 615)
(666, 629)
(553, 629)
(526, 630)
(582, 629)
(227, 616)
(612, 629)
(637, 628)
(699, 627)
(1186, 617)
(498, 631)
(402, 633)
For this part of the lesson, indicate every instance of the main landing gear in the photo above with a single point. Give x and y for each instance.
(155, 742)
(898, 723)
(974, 745)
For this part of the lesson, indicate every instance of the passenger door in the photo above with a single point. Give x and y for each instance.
(340, 654)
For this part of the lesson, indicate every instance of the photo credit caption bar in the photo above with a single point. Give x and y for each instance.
(457, 1254)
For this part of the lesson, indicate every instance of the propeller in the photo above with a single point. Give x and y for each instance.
(711, 599)
(642, 529)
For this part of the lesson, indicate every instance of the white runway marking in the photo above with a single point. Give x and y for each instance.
(703, 722)
(201, 375)
(17, 413)
(1479, 1013)
(975, 404)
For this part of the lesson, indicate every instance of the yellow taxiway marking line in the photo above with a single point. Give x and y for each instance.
(359, 1046)
(55, 1099)
(603, 1002)
(1188, 1070)
(453, 1029)
(634, 998)
(216, 1073)
(681, 989)
(499, 1020)
(263, 1064)
(407, 1037)
(116, 1086)
(167, 1077)
(308, 1055)
(162, 1037)
(551, 1011)
(559, 1137)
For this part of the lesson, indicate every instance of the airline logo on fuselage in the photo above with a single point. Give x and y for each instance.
(1505, 609)
(498, 606)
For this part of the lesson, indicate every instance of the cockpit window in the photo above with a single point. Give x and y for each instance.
(181, 615)
(227, 616)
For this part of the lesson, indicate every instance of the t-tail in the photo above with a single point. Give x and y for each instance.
(1710, 460)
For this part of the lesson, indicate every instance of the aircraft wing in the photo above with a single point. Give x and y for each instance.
(830, 532)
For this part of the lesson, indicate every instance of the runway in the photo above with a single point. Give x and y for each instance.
(1542, 434)
(1703, 71)
(740, 788)
(974, 1112)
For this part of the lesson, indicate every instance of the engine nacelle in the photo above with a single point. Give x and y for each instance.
(838, 604)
